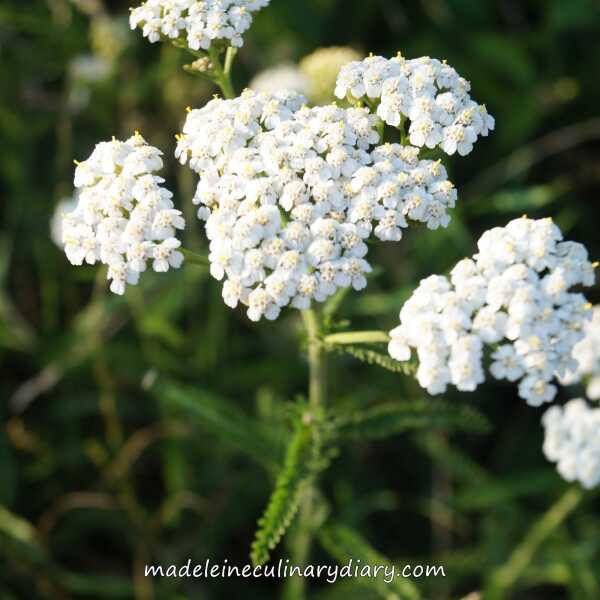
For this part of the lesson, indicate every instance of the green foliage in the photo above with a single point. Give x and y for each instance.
(345, 544)
(220, 417)
(102, 470)
(385, 420)
(374, 357)
(303, 460)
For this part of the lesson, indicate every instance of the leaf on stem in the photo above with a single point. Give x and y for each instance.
(345, 545)
(373, 357)
(223, 418)
(302, 463)
(393, 418)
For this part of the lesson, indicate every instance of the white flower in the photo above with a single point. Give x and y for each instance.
(507, 364)
(290, 196)
(199, 23)
(123, 216)
(427, 92)
(572, 441)
(500, 296)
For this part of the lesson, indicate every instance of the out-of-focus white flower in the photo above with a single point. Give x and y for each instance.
(587, 354)
(321, 69)
(85, 71)
(88, 68)
(513, 295)
(62, 209)
(424, 91)
(572, 441)
(199, 23)
(291, 194)
(124, 217)
(281, 77)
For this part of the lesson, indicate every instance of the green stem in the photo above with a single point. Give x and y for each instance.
(195, 259)
(317, 393)
(222, 73)
(403, 135)
(230, 55)
(316, 360)
(508, 574)
(381, 130)
(357, 337)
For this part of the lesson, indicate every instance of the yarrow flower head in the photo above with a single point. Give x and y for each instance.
(200, 23)
(425, 91)
(514, 297)
(572, 442)
(124, 217)
(587, 354)
(290, 195)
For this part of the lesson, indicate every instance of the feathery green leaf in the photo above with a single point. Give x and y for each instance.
(345, 544)
(373, 357)
(223, 418)
(393, 418)
(283, 505)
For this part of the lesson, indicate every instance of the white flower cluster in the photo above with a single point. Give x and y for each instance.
(291, 194)
(572, 441)
(513, 296)
(587, 354)
(200, 22)
(424, 90)
(123, 217)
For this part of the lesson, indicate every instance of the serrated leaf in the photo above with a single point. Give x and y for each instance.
(393, 418)
(345, 545)
(302, 462)
(373, 357)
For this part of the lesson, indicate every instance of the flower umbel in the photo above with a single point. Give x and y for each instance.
(200, 24)
(512, 296)
(425, 91)
(290, 195)
(124, 217)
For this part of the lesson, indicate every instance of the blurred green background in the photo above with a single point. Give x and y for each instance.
(148, 428)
